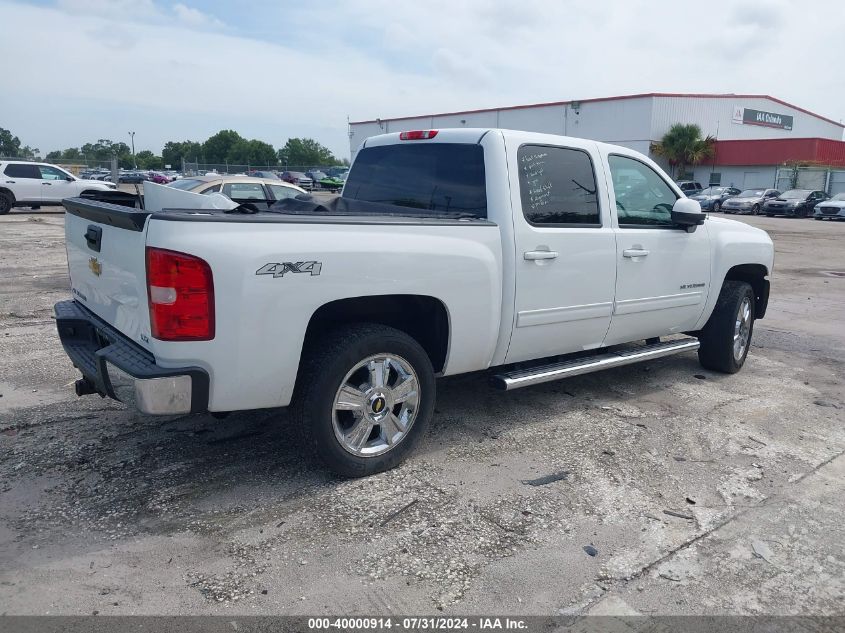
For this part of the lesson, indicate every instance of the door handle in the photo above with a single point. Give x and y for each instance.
(49, 184)
(535, 255)
(10, 182)
(635, 252)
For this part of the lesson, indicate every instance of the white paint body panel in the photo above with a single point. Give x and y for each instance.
(501, 308)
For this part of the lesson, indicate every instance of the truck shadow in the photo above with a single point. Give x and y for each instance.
(124, 475)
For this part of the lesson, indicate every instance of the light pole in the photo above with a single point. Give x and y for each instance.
(132, 137)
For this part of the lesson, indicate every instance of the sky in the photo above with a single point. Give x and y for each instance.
(75, 71)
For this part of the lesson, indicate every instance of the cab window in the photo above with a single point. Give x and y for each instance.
(643, 198)
(557, 186)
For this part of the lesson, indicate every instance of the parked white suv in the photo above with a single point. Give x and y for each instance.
(25, 184)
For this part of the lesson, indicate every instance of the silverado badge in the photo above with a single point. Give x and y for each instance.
(95, 266)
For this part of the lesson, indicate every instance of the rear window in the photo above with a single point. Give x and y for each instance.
(433, 178)
(187, 183)
(16, 170)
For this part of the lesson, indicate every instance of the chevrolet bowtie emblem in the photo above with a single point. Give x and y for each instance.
(95, 266)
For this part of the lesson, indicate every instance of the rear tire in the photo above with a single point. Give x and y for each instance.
(7, 201)
(360, 377)
(717, 207)
(726, 337)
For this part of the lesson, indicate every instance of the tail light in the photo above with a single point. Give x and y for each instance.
(417, 135)
(180, 288)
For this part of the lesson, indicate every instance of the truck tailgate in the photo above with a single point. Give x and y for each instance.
(107, 264)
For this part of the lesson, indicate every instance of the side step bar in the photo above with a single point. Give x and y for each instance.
(564, 369)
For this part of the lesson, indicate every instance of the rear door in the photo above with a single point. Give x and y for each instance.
(107, 264)
(662, 272)
(248, 193)
(565, 250)
(24, 180)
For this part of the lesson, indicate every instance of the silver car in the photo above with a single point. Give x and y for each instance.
(749, 202)
(833, 209)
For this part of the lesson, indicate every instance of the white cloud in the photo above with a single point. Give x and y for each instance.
(176, 73)
(195, 17)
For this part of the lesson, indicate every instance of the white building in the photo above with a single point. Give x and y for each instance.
(755, 133)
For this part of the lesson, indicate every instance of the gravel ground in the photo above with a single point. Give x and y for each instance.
(675, 490)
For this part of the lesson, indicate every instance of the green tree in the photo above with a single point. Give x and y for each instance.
(306, 152)
(253, 152)
(683, 145)
(147, 160)
(10, 145)
(216, 148)
(175, 151)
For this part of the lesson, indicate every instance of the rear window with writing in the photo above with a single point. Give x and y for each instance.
(557, 186)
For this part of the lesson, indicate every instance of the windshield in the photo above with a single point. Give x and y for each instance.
(713, 191)
(751, 193)
(187, 183)
(794, 194)
(432, 177)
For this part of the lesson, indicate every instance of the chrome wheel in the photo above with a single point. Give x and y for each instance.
(742, 329)
(376, 405)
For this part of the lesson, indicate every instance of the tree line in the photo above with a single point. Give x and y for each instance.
(227, 146)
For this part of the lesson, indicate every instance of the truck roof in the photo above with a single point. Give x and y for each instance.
(474, 135)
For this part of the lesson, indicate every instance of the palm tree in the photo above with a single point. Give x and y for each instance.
(683, 145)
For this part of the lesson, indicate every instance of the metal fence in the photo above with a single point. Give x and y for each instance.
(194, 169)
(817, 178)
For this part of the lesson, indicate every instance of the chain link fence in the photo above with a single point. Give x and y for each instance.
(199, 169)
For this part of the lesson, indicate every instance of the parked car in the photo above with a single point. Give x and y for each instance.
(25, 184)
(428, 266)
(159, 179)
(335, 172)
(795, 203)
(261, 192)
(264, 174)
(299, 179)
(316, 175)
(132, 177)
(833, 209)
(749, 201)
(690, 187)
(712, 198)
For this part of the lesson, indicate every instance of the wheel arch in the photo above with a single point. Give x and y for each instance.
(755, 275)
(8, 192)
(422, 317)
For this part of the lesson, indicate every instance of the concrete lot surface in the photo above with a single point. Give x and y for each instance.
(678, 491)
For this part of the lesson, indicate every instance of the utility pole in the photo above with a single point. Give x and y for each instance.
(132, 137)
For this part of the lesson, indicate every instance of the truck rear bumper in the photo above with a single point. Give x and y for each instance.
(114, 366)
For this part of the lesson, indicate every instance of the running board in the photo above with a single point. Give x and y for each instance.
(555, 371)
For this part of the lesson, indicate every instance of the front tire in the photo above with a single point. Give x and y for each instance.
(366, 395)
(726, 337)
(755, 209)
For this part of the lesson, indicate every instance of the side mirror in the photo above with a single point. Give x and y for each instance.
(687, 213)
(69, 178)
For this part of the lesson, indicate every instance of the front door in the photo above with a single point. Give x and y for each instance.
(662, 272)
(55, 185)
(565, 251)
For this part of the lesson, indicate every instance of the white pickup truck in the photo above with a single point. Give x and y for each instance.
(530, 256)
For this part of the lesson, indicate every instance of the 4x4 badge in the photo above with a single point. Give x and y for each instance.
(279, 269)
